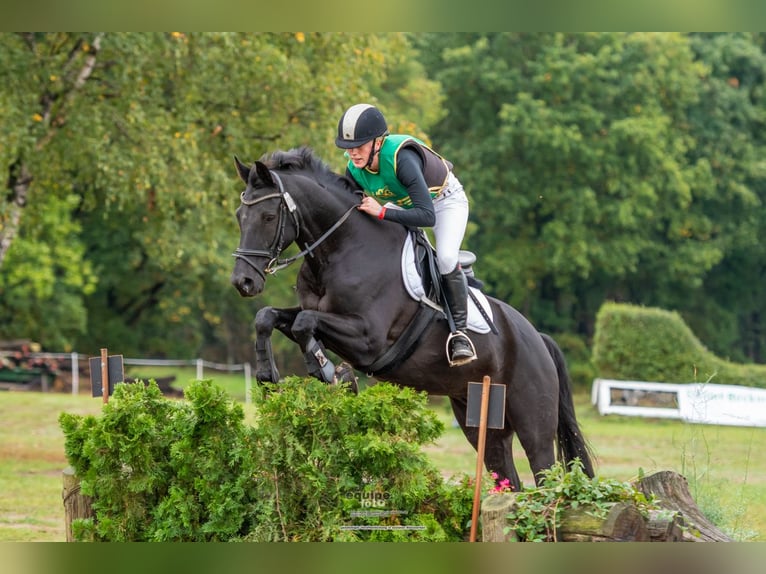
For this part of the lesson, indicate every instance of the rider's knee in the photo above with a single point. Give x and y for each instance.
(447, 262)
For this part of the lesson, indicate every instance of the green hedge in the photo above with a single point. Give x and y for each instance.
(317, 463)
(650, 344)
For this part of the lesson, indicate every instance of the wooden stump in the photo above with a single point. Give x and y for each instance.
(672, 493)
(76, 504)
(494, 510)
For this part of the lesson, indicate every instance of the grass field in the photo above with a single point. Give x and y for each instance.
(724, 465)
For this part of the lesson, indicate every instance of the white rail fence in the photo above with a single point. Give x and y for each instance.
(703, 403)
(200, 365)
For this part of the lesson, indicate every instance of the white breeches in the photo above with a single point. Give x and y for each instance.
(451, 209)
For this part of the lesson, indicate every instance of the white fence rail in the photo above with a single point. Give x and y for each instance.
(703, 403)
(200, 364)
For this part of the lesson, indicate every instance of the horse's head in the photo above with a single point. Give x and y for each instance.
(267, 224)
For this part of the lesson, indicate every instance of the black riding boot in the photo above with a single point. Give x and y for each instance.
(459, 347)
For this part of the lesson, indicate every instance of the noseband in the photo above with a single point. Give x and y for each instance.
(287, 205)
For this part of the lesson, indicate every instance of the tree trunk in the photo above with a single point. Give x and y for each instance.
(672, 493)
(76, 504)
(18, 187)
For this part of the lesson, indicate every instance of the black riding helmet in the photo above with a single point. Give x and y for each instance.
(359, 124)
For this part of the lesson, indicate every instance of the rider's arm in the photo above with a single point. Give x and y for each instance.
(409, 170)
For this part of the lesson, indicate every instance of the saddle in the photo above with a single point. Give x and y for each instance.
(425, 265)
(427, 286)
(422, 281)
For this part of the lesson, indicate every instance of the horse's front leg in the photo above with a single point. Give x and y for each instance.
(312, 328)
(266, 320)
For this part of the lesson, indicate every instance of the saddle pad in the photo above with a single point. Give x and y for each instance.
(414, 286)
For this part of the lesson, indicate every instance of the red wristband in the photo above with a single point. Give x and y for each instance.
(382, 212)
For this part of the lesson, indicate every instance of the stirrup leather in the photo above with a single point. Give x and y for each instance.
(463, 360)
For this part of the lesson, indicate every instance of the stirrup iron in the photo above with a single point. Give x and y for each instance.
(462, 360)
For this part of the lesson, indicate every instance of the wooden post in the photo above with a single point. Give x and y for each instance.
(76, 504)
(480, 455)
(105, 375)
(75, 375)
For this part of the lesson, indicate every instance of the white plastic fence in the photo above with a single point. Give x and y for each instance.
(200, 364)
(704, 403)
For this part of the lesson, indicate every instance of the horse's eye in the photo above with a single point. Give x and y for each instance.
(269, 217)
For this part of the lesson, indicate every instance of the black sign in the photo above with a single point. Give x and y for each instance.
(495, 409)
(115, 373)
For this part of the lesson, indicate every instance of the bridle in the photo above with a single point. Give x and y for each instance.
(287, 206)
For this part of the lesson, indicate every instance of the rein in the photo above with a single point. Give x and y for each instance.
(287, 204)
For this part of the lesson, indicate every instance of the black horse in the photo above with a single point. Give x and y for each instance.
(354, 303)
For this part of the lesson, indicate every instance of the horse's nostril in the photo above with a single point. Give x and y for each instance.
(244, 285)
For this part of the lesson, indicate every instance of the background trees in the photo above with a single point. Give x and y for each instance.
(599, 166)
(118, 213)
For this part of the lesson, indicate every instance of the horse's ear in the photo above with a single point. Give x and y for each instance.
(242, 169)
(264, 173)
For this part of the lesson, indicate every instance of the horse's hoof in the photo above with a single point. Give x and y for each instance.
(269, 376)
(344, 373)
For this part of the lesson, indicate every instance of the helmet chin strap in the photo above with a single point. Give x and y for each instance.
(373, 151)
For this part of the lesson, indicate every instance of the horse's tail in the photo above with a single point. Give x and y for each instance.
(571, 442)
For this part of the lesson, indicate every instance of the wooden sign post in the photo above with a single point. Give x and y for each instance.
(105, 372)
(492, 414)
(105, 375)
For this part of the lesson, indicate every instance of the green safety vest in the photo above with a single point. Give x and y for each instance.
(384, 186)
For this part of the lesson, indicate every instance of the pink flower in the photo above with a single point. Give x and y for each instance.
(503, 486)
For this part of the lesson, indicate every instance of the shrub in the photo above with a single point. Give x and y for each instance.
(160, 469)
(317, 464)
(650, 344)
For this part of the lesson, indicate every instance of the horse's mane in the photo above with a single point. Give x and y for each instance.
(303, 159)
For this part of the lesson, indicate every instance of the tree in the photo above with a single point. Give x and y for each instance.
(574, 150)
(125, 142)
(728, 123)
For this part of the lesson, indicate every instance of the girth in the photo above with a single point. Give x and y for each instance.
(406, 344)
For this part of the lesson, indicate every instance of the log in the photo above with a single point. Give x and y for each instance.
(671, 491)
(494, 510)
(665, 526)
(622, 523)
(76, 504)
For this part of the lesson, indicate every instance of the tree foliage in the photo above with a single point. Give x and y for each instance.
(599, 166)
(608, 166)
(127, 141)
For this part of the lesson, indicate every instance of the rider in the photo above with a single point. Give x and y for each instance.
(419, 190)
